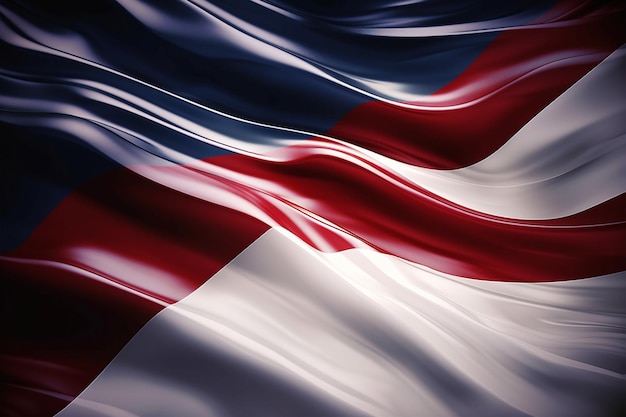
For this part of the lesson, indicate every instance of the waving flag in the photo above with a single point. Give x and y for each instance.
(294, 208)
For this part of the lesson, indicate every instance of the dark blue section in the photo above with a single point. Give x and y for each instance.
(423, 13)
(46, 95)
(334, 34)
(207, 56)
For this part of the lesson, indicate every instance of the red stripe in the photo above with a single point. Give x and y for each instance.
(399, 218)
(516, 76)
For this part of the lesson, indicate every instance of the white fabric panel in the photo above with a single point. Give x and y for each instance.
(284, 330)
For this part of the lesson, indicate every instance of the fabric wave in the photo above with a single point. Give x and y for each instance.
(282, 208)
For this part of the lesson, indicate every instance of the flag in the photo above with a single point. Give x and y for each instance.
(276, 208)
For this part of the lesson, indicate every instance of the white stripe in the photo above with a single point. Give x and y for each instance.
(285, 330)
(570, 157)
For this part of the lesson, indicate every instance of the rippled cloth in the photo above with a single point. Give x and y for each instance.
(388, 208)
